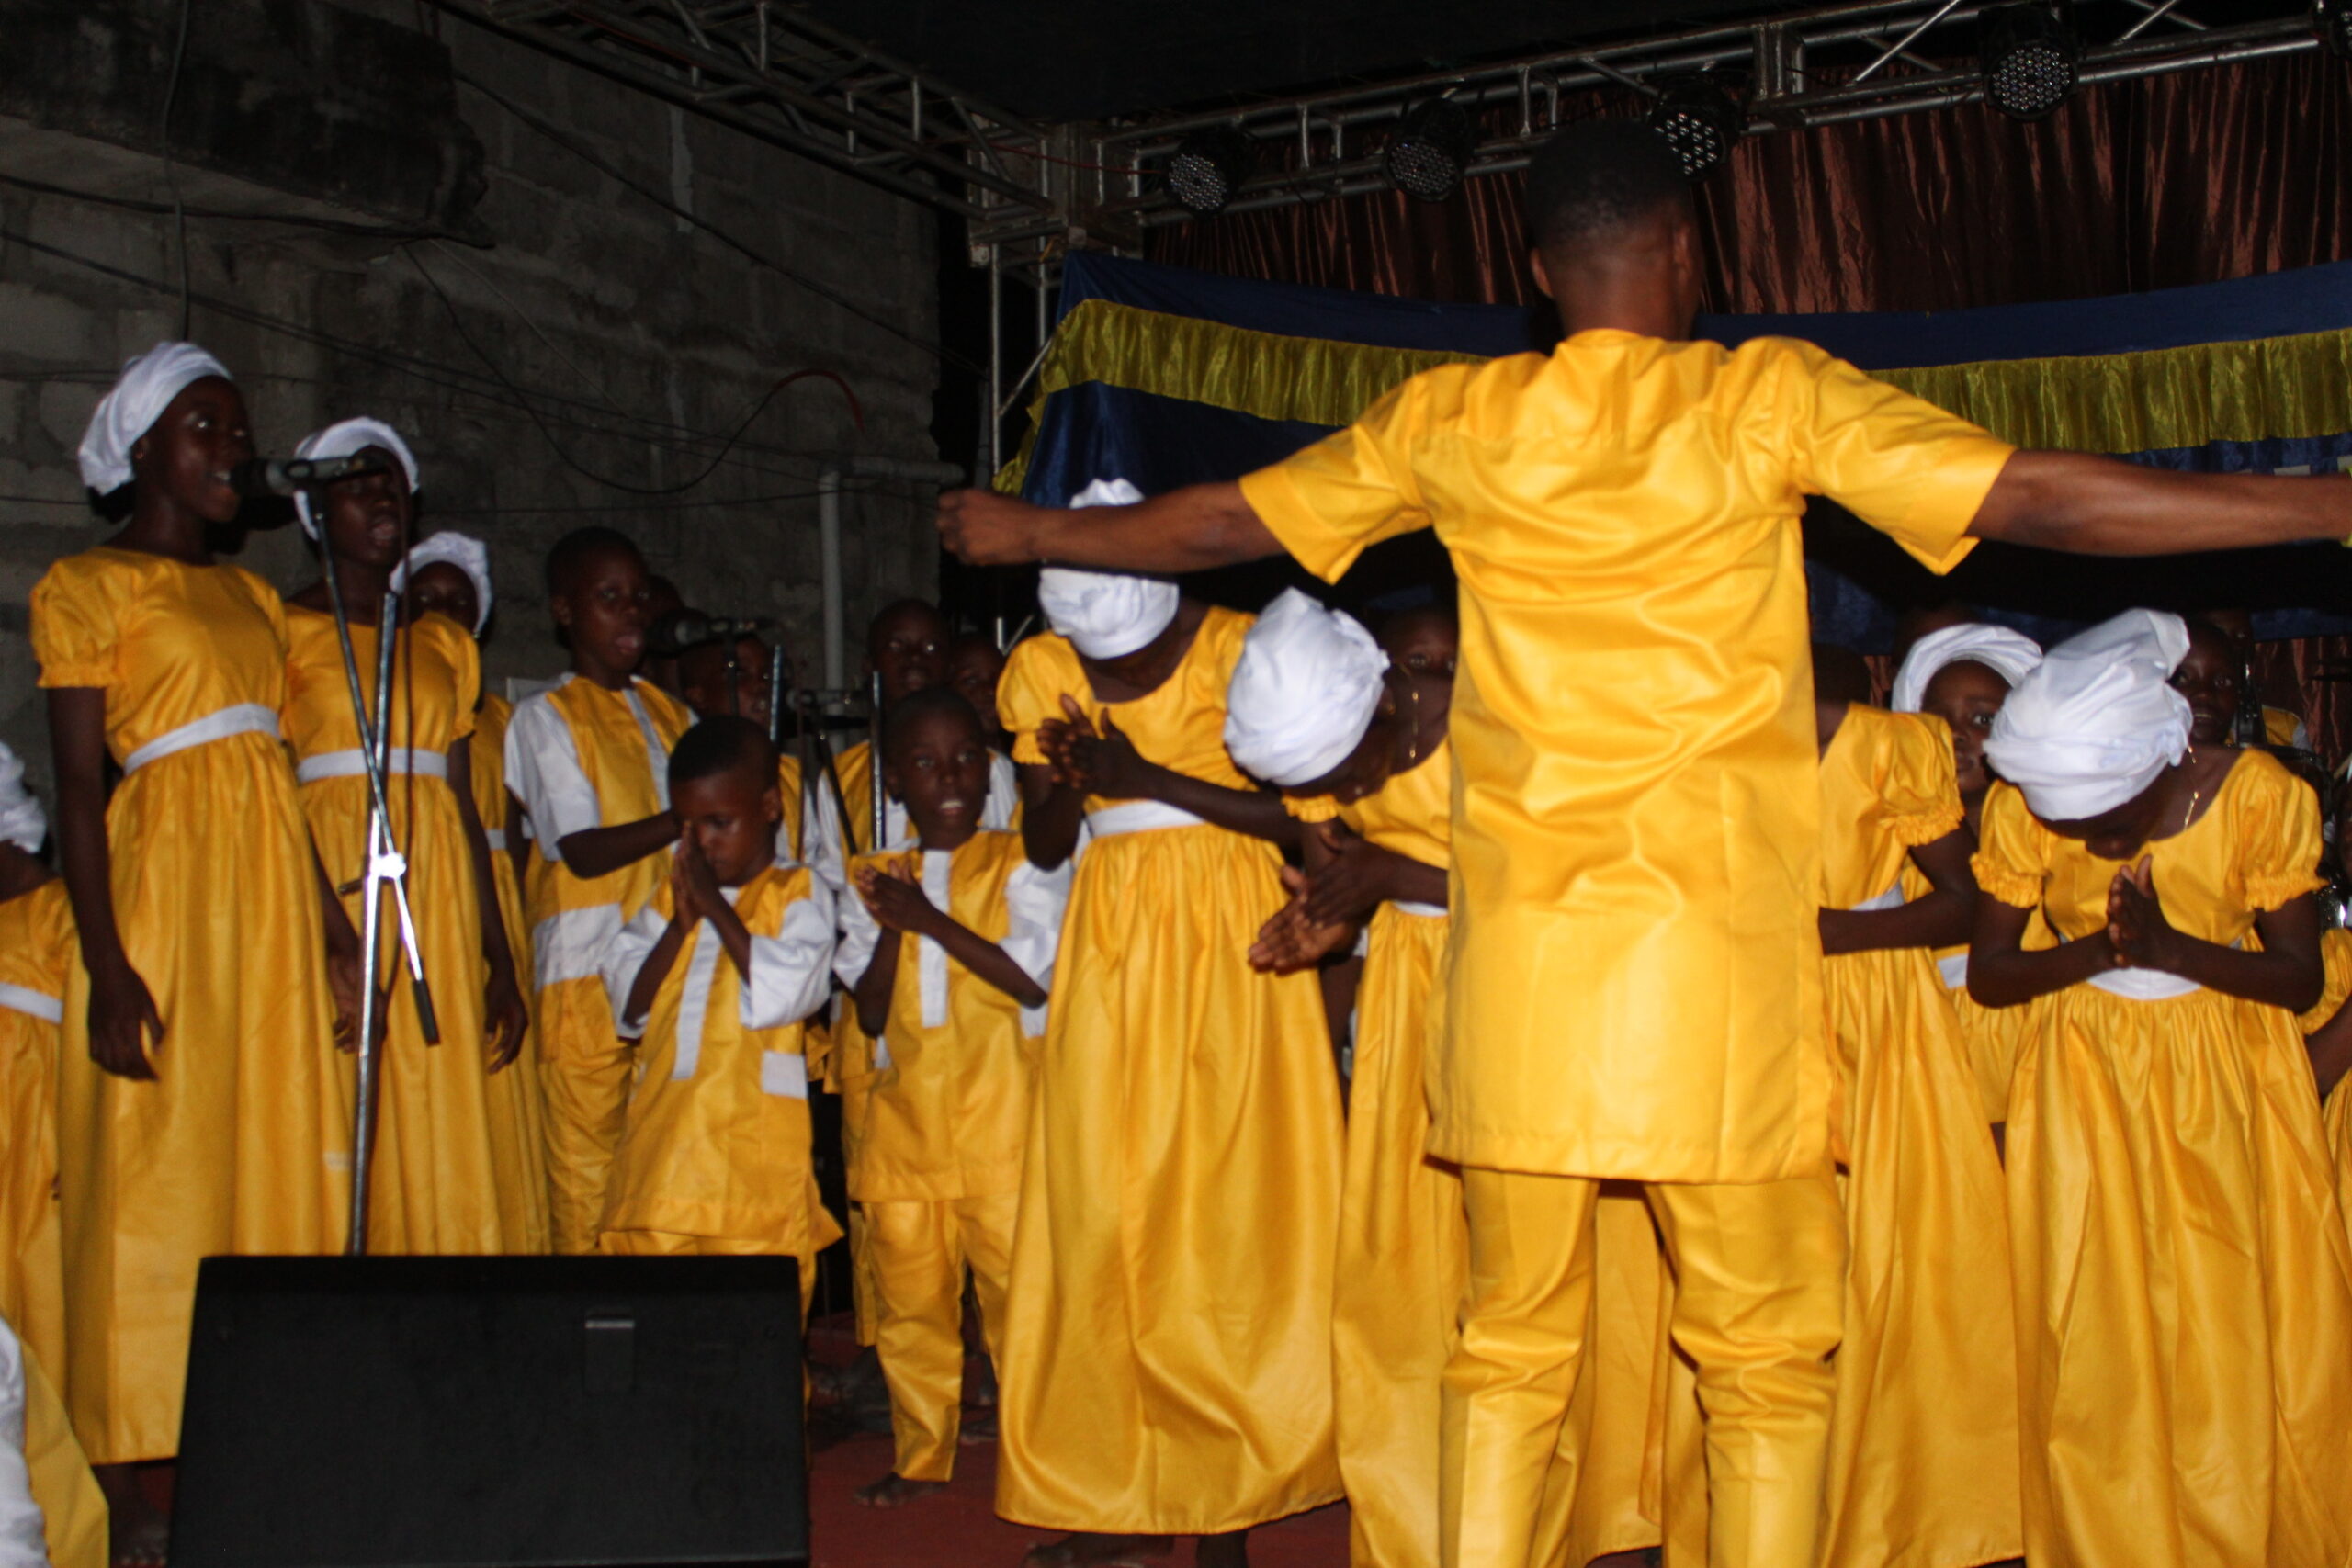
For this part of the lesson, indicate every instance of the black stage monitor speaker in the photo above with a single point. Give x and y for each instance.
(472, 1412)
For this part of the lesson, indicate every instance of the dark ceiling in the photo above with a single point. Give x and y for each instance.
(1058, 60)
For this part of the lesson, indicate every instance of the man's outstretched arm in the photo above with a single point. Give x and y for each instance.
(1185, 530)
(2100, 506)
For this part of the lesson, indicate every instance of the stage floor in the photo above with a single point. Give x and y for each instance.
(958, 1526)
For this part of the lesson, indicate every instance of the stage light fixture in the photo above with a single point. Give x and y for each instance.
(2332, 20)
(2029, 59)
(1208, 166)
(1430, 151)
(1700, 119)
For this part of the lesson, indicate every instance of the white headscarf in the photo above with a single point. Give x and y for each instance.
(2010, 655)
(1106, 614)
(21, 821)
(462, 551)
(140, 395)
(342, 439)
(1304, 692)
(2097, 720)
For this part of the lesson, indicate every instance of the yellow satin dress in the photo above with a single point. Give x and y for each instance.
(1923, 1458)
(518, 1154)
(714, 1158)
(239, 1145)
(2335, 1114)
(1167, 1342)
(37, 946)
(584, 1065)
(946, 1128)
(436, 1186)
(1990, 1035)
(2183, 1275)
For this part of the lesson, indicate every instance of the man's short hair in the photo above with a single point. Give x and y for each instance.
(723, 745)
(572, 552)
(1597, 177)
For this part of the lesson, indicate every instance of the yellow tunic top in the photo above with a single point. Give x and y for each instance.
(2175, 1219)
(1179, 725)
(1635, 808)
(36, 949)
(949, 1116)
(1411, 815)
(240, 1146)
(716, 1143)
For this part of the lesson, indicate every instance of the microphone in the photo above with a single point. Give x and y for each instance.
(260, 478)
(681, 629)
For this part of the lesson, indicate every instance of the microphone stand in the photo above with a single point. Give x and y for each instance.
(385, 865)
(881, 823)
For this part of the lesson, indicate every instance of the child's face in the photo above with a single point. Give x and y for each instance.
(2208, 677)
(199, 436)
(973, 670)
(606, 608)
(443, 588)
(2118, 833)
(1366, 767)
(703, 680)
(1967, 695)
(731, 817)
(367, 515)
(940, 768)
(907, 647)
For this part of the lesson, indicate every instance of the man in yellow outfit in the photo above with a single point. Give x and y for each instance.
(1636, 969)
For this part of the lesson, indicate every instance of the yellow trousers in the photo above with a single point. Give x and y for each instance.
(919, 1249)
(1758, 1274)
(585, 1069)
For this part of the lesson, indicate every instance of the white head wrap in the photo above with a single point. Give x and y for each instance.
(1303, 693)
(1106, 614)
(461, 551)
(21, 822)
(140, 395)
(2097, 719)
(2010, 655)
(342, 440)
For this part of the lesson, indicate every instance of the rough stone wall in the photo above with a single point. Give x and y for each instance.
(639, 342)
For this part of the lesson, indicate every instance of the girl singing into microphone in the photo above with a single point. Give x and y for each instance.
(199, 1104)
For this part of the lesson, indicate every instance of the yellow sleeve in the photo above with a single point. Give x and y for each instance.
(1313, 808)
(2280, 835)
(2010, 865)
(2335, 958)
(1028, 693)
(75, 625)
(1904, 466)
(1920, 789)
(1350, 490)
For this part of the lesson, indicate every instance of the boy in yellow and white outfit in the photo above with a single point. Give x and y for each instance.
(957, 1026)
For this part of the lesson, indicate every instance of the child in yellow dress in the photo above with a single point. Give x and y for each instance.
(1167, 1345)
(716, 976)
(449, 573)
(200, 1105)
(589, 760)
(2327, 1037)
(2183, 1275)
(948, 954)
(35, 951)
(436, 1187)
(1963, 673)
(1923, 1458)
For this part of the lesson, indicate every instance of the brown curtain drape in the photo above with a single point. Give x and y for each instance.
(2147, 184)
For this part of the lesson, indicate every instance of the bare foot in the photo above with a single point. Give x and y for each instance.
(1085, 1548)
(896, 1491)
(138, 1532)
(976, 1427)
(1223, 1551)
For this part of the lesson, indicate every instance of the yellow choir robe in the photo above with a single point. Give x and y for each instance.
(2335, 1114)
(517, 1107)
(2182, 1273)
(1989, 1034)
(1168, 1341)
(436, 1187)
(239, 1145)
(849, 1068)
(714, 1153)
(947, 1124)
(1635, 818)
(37, 947)
(1924, 1434)
(580, 757)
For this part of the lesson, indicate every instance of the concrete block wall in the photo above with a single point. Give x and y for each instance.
(640, 342)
